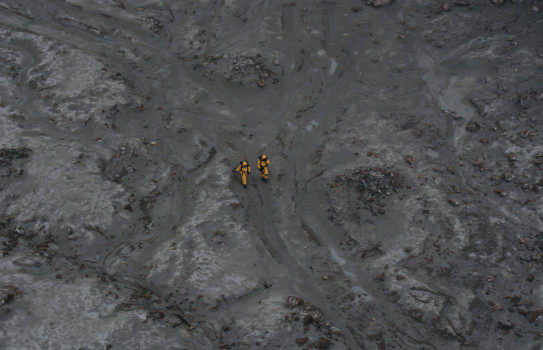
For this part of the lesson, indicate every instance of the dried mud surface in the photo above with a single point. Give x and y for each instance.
(404, 204)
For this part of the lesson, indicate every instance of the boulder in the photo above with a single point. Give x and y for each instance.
(472, 126)
(293, 301)
(323, 343)
(301, 340)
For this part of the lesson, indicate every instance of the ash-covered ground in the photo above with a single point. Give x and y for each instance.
(403, 209)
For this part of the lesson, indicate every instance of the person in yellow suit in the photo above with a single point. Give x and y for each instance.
(262, 164)
(244, 169)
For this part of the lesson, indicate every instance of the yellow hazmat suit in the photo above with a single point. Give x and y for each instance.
(262, 164)
(244, 169)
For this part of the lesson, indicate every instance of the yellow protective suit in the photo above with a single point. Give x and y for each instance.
(262, 164)
(244, 169)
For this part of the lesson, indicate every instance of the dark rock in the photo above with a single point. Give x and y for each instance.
(506, 326)
(508, 176)
(8, 293)
(409, 159)
(372, 186)
(7, 155)
(155, 315)
(416, 314)
(293, 301)
(308, 319)
(454, 202)
(153, 24)
(478, 163)
(115, 171)
(500, 192)
(485, 102)
(380, 278)
(323, 343)
(301, 340)
(236, 68)
(527, 99)
(530, 278)
(535, 313)
(472, 126)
